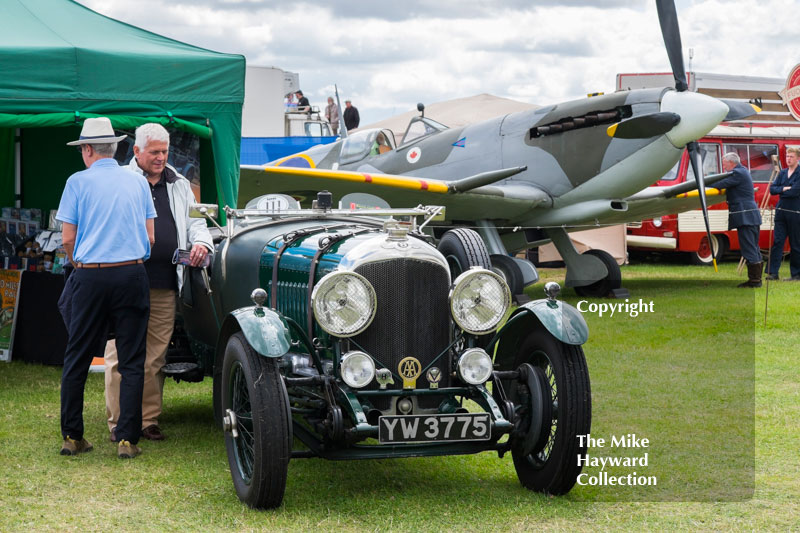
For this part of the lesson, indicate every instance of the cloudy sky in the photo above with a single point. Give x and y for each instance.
(387, 55)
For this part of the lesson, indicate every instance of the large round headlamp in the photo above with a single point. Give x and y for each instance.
(344, 303)
(479, 300)
(357, 369)
(475, 366)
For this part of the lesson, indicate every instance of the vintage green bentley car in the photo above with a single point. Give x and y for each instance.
(346, 334)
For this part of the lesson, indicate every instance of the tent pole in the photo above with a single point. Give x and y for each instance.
(17, 170)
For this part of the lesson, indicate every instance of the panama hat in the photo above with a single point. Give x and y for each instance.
(97, 131)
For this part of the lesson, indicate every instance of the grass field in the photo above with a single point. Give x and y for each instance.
(714, 389)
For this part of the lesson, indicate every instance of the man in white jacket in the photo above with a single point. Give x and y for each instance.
(172, 197)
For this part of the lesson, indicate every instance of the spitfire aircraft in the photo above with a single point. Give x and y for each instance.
(526, 178)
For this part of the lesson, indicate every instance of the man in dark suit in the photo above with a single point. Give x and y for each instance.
(743, 215)
(787, 217)
(351, 118)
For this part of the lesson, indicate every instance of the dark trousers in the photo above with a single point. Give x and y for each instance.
(94, 302)
(786, 225)
(748, 243)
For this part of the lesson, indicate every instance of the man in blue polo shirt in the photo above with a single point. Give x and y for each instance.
(107, 226)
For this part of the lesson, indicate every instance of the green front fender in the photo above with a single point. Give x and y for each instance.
(265, 330)
(562, 320)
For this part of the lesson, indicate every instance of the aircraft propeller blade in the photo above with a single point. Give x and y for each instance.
(342, 127)
(644, 126)
(697, 167)
(739, 110)
(668, 18)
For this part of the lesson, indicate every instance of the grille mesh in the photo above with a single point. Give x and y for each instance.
(412, 319)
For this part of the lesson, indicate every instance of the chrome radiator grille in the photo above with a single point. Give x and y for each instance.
(412, 319)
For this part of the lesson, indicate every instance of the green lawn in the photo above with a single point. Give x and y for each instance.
(682, 377)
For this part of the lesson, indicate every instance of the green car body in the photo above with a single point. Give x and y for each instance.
(364, 342)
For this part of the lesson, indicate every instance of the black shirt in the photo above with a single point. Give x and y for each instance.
(351, 118)
(159, 267)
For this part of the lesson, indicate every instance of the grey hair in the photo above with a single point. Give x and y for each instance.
(105, 149)
(732, 156)
(151, 132)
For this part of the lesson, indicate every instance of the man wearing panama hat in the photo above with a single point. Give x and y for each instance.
(107, 218)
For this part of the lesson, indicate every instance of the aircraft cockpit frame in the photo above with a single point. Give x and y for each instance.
(366, 143)
(419, 127)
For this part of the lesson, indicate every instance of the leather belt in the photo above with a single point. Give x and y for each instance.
(109, 265)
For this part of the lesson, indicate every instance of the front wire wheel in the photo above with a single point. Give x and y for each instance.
(254, 404)
(552, 467)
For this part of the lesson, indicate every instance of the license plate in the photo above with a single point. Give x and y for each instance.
(433, 428)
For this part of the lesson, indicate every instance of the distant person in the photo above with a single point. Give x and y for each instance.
(351, 118)
(787, 217)
(107, 216)
(172, 196)
(289, 104)
(380, 145)
(302, 103)
(743, 215)
(332, 114)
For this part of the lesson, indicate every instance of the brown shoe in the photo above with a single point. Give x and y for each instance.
(153, 433)
(74, 447)
(113, 436)
(126, 450)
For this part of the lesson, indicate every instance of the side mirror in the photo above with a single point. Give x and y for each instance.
(203, 211)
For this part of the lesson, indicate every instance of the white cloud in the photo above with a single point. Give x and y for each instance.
(388, 59)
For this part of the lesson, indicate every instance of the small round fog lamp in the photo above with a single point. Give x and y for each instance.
(475, 366)
(357, 369)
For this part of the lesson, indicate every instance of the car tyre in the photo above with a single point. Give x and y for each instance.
(613, 279)
(702, 256)
(554, 469)
(253, 390)
(507, 268)
(463, 248)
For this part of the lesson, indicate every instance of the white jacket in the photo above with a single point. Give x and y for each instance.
(191, 231)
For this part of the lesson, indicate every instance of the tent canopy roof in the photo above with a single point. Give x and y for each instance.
(59, 49)
(61, 59)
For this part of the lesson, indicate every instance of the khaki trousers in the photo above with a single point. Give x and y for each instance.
(159, 333)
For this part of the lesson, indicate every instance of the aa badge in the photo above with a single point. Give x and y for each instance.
(410, 368)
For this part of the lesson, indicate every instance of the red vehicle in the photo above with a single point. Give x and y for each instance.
(685, 232)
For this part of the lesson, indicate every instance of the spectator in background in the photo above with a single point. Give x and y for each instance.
(743, 215)
(332, 115)
(787, 217)
(302, 103)
(172, 196)
(351, 118)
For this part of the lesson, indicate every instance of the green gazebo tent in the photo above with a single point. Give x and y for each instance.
(61, 62)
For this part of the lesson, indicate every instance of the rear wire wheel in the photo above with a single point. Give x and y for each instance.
(553, 468)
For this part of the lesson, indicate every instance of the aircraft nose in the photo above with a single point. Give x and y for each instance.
(699, 115)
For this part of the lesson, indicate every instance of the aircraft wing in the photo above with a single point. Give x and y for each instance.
(475, 197)
(465, 199)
